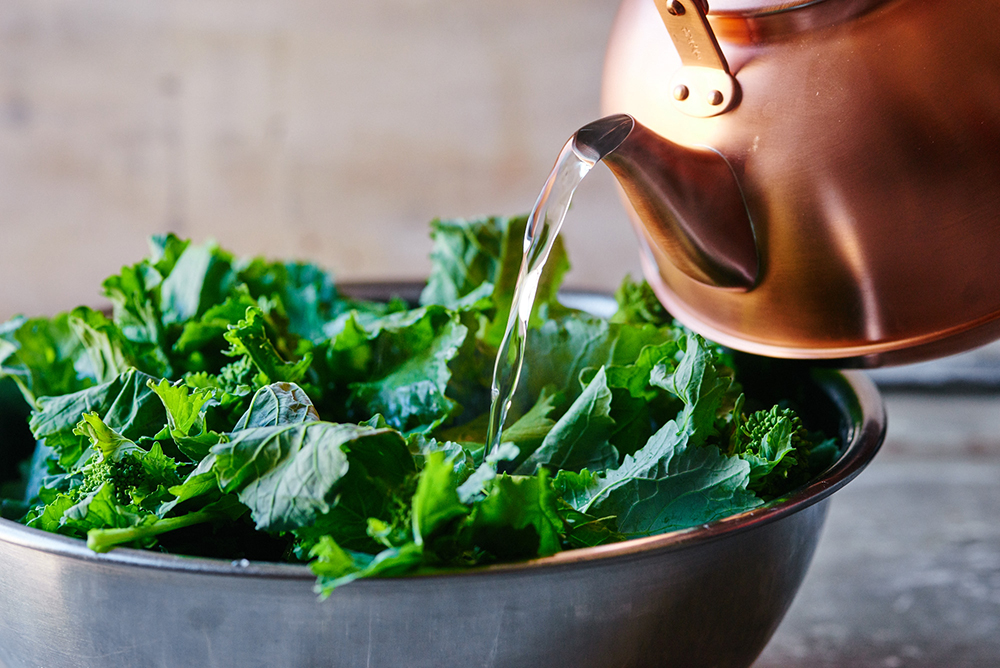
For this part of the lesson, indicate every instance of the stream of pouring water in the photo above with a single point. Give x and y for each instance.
(584, 150)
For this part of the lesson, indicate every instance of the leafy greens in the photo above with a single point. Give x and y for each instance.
(246, 408)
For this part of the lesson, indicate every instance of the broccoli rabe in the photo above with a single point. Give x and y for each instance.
(124, 475)
(289, 421)
(781, 452)
(758, 424)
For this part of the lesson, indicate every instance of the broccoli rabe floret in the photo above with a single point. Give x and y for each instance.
(753, 429)
(125, 475)
(781, 452)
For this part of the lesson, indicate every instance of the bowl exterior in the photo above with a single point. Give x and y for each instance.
(713, 603)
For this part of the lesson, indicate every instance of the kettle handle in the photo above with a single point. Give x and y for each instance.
(703, 86)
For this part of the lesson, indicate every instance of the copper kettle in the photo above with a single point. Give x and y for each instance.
(814, 179)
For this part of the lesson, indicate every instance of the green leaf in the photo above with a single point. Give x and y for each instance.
(100, 509)
(668, 484)
(334, 570)
(144, 532)
(700, 383)
(105, 440)
(694, 486)
(407, 359)
(378, 485)
(211, 327)
(481, 257)
(559, 351)
(519, 517)
(634, 400)
(249, 337)
(306, 293)
(529, 430)
(782, 454)
(126, 404)
(465, 255)
(278, 404)
(44, 357)
(649, 462)
(359, 499)
(158, 468)
(184, 405)
(770, 451)
(546, 303)
(286, 475)
(139, 477)
(50, 516)
(577, 489)
(199, 482)
(583, 530)
(436, 503)
(201, 277)
(289, 475)
(474, 487)
(165, 250)
(634, 376)
(580, 438)
(134, 296)
(673, 481)
(310, 299)
(638, 305)
(186, 416)
(421, 446)
(110, 352)
(331, 560)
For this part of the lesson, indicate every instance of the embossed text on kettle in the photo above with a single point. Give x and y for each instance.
(692, 42)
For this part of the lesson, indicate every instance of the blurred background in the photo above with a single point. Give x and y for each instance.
(328, 131)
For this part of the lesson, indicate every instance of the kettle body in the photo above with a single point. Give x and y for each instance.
(864, 136)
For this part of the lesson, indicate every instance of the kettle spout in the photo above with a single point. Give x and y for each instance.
(688, 200)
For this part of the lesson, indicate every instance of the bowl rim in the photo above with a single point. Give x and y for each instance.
(856, 398)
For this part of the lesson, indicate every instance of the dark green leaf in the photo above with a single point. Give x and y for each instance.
(289, 475)
(249, 337)
(201, 277)
(278, 404)
(126, 404)
(530, 429)
(436, 503)
(481, 257)
(44, 357)
(694, 486)
(407, 359)
(305, 292)
(519, 517)
(559, 351)
(580, 438)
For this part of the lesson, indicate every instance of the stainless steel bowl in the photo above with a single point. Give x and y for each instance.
(707, 596)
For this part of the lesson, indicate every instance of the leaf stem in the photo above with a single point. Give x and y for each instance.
(102, 540)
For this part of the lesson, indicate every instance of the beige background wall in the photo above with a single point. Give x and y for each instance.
(331, 130)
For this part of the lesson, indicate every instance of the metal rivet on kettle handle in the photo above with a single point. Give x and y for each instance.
(709, 87)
